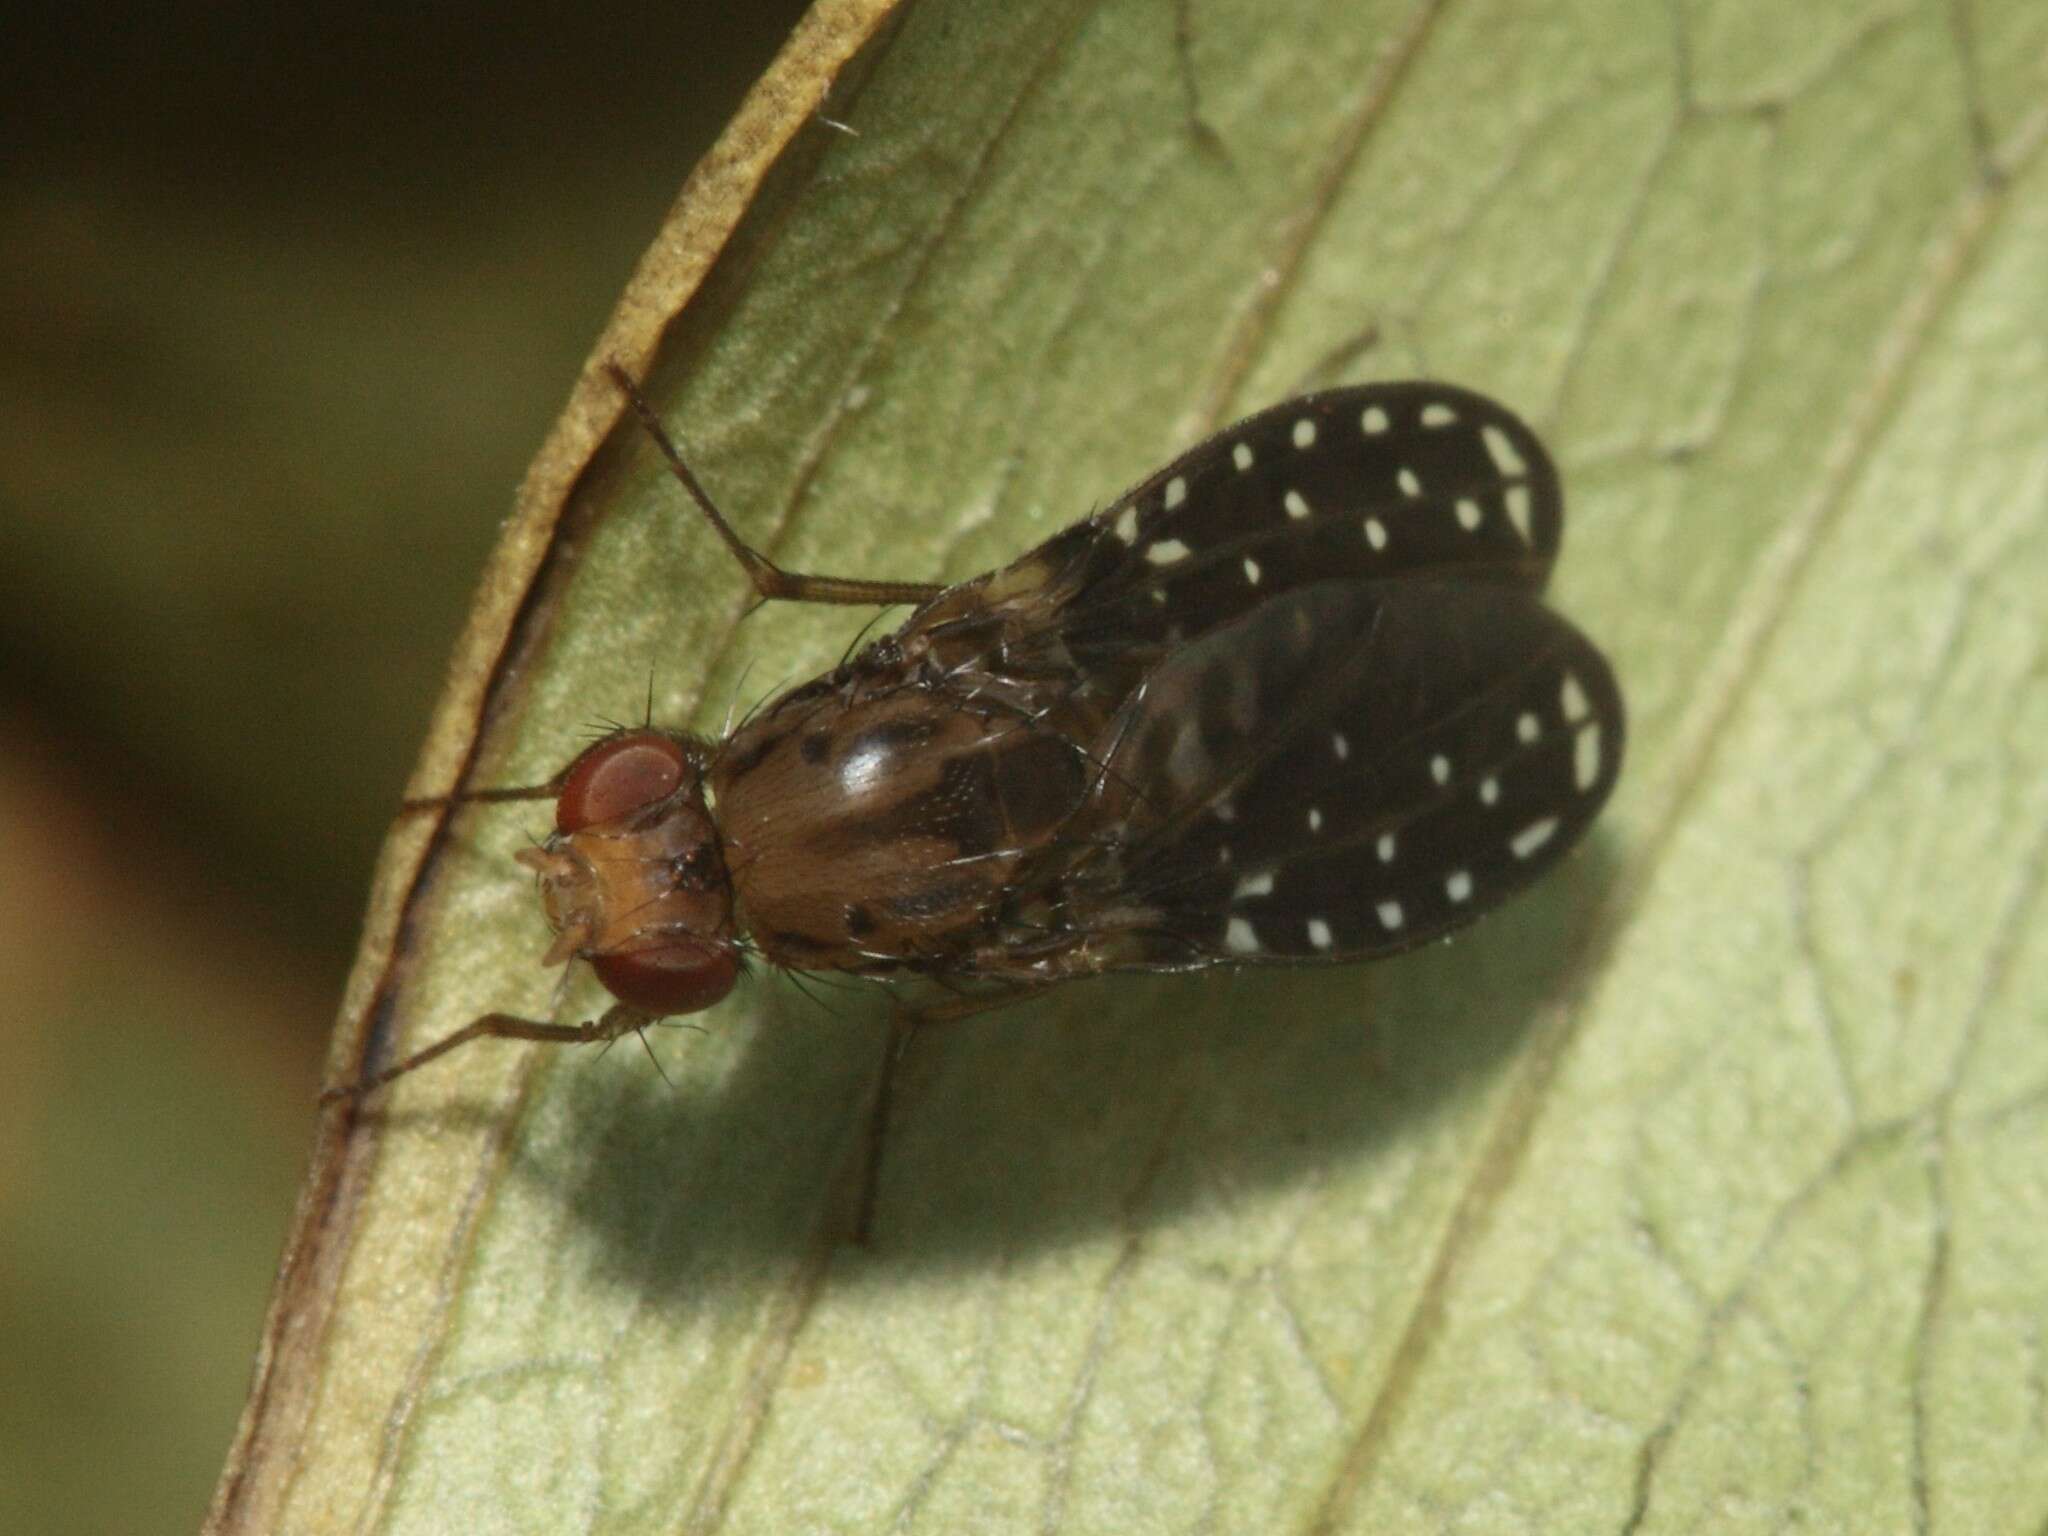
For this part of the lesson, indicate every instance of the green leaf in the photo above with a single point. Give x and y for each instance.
(1700, 1190)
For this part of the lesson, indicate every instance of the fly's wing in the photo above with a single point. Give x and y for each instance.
(1348, 770)
(1380, 482)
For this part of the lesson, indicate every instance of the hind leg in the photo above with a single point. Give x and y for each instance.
(904, 1023)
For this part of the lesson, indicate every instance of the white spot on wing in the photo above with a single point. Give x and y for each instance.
(1501, 449)
(1528, 727)
(1165, 551)
(1470, 514)
(1296, 506)
(1339, 745)
(1305, 433)
(1251, 570)
(1437, 414)
(1391, 916)
(1374, 421)
(1489, 790)
(1375, 533)
(1127, 524)
(1223, 810)
(1440, 768)
(1315, 819)
(1241, 455)
(1260, 884)
(1533, 837)
(1586, 757)
(1385, 848)
(1239, 938)
(1319, 933)
(1572, 696)
(1459, 886)
(1409, 481)
(1176, 491)
(1520, 502)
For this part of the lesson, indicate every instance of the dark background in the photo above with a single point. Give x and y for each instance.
(288, 298)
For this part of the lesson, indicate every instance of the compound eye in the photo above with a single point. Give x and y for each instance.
(618, 776)
(680, 978)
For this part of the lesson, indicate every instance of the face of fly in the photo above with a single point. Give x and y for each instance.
(633, 879)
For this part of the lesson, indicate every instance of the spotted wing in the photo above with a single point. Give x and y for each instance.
(1349, 770)
(1380, 482)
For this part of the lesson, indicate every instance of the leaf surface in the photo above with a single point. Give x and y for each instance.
(1703, 1189)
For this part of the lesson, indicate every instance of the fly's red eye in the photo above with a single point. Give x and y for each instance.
(680, 978)
(618, 776)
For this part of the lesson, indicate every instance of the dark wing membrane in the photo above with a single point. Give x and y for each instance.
(1378, 482)
(1350, 770)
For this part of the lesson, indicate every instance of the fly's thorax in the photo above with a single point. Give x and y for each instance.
(884, 825)
(633, 879)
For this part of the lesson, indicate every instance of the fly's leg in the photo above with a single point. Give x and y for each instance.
(615, 1021)
(904, 1022)
(902, 1025)
(770, 581)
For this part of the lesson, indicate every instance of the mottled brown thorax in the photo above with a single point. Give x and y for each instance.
(879, 823)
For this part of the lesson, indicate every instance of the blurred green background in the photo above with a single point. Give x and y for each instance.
(288, 297)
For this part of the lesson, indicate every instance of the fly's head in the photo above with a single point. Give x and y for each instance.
(633, 878)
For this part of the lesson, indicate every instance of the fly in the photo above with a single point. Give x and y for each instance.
(1296, 698)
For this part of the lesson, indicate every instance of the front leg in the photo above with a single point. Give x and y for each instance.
(615, 1021)
(770, 580)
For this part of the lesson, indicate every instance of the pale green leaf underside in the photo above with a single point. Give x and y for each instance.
(1707, 1189)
